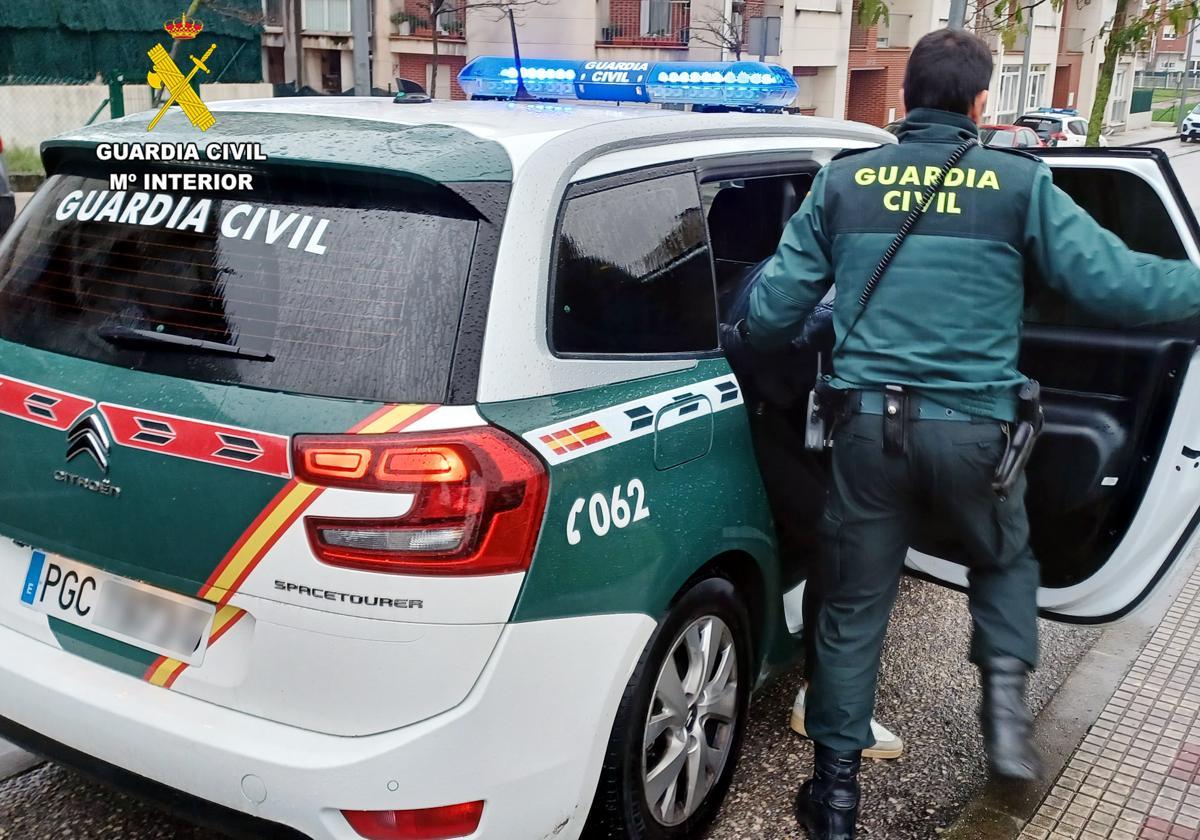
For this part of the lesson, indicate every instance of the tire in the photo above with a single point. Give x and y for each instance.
(623, 808)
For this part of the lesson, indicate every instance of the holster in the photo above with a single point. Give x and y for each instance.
(1021, 439)
(826, 408)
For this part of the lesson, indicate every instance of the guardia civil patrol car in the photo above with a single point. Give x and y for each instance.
(410, 495)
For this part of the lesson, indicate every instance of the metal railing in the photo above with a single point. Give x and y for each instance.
(450, 24)
(667, 24)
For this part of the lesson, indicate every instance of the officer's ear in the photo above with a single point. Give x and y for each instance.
(978, 107)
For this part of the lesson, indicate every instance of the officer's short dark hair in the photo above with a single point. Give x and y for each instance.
(947, 69)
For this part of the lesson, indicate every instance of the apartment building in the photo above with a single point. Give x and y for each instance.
(1171, 52)
(842, 69)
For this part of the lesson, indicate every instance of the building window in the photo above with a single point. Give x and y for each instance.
(273, 12)
(818, 6)
(656, 17)
(633, 273)
(1118, 98)
(1037, 86)
(1010, 86)
(327, 15)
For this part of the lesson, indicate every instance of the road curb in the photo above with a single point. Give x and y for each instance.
(1002, 809)
(14, 761)
(1172, 136)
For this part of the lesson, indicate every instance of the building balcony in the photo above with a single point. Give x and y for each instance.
(662, 24)
(1074, 38)
(450, 26)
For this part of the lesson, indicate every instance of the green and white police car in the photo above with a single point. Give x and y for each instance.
(410, 495)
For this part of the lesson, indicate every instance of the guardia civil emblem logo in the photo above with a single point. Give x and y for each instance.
(166, 74)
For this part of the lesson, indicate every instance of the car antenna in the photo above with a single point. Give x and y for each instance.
(523, 95)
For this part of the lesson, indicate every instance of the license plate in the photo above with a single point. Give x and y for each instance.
(141, 615)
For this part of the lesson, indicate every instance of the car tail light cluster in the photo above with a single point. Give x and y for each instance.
(442, 823)
(1056, 136)
(478, 499)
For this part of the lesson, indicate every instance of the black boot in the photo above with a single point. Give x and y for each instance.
(1007, 723)
(827, 804)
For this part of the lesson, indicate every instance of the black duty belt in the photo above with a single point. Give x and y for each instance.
(919, 408)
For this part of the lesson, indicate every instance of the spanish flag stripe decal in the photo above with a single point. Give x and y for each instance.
(266, 529)
(164, 670)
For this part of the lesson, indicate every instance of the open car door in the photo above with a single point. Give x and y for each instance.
(1114, 484)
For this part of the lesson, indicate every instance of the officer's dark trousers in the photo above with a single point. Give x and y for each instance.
(875, 500)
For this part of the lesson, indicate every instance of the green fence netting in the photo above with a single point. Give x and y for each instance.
(1141, 101)
(76, 40)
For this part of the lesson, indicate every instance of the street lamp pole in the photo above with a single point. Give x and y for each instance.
(958, 14)
(1187, 67)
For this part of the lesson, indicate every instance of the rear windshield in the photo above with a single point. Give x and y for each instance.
(322, 282)
(1043, 127)
(996, 137)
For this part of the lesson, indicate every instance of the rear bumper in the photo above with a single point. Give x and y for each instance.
(528, 740)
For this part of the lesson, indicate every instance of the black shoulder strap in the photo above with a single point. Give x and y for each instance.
(906, 227)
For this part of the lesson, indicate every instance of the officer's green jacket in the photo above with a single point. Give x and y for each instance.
(945, 319)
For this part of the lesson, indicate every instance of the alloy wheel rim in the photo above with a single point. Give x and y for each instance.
(689, 727)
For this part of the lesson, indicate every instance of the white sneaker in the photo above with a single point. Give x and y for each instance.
(886, 744)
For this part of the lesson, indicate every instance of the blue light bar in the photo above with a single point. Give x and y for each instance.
(735, 84)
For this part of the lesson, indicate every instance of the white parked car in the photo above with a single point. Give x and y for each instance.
(1190, 129)
(1059, 126)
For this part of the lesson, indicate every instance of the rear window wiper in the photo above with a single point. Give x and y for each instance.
(129, 336)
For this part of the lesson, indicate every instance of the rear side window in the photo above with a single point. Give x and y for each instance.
(325, 283)
(1078, 127)
(633, 272)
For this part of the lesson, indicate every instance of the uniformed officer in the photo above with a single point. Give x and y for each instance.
(939, 340)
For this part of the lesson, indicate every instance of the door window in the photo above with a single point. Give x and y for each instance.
(634, 272)
(746, 218)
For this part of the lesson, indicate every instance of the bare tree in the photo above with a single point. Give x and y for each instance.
(250, 17)
(452, 15)
(727, 32)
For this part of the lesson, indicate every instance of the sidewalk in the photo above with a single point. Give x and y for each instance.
(1136, 776)
(1156, 132)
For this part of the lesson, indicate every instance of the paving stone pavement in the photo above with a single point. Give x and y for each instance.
(1136, 776)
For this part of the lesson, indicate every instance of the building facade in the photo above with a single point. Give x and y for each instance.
(842, 68)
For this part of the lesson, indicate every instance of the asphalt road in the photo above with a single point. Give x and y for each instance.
(928, 694)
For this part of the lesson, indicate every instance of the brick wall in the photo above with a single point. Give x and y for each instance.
(875, 77)
(415, 66)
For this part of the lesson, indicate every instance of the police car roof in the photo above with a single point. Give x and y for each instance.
(332, 128)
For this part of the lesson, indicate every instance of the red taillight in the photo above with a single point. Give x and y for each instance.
(1056, 136)
(478, 499)
(426, 824)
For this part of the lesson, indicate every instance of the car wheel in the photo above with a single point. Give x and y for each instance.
(679, 728)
